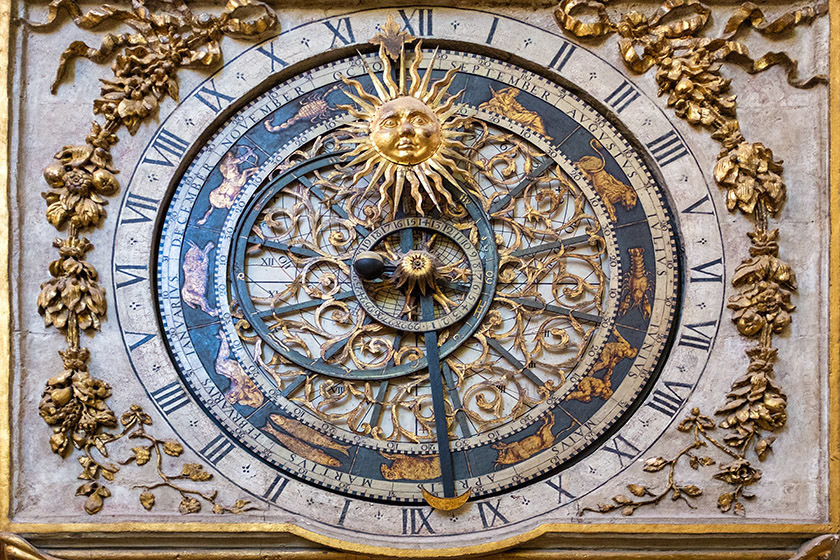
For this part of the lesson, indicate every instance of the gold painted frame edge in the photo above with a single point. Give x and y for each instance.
(5, 252)
(821, 536)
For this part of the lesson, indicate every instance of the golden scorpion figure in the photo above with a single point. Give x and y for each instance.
(637, 290)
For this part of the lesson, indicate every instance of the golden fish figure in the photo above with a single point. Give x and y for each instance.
(301, 448)
(242, 389)
(307, 434)
(517, 451)
(611, 190)
(196, 263)
(613, 352)
(410, 467)
(233, 179)
(504, 103)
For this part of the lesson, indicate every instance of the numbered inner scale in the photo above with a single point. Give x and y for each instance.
(402, 333)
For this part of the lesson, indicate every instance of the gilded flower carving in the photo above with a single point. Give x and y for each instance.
(749, 174)
(96, 494)
(73, 403)
(740, 474)
(696, 90)
(764, 263)
(162, 39)
(688, 70)
(78, 180)
(766, 304)
(143, 79)
(73, 298)
(755, 402)
(766, 284)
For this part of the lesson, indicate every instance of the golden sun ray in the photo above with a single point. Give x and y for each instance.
(406, 135)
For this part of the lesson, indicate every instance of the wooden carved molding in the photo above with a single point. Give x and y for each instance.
(13, 547)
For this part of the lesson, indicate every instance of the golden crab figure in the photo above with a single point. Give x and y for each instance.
(406, 132)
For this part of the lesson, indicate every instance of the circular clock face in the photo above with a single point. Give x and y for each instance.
(424, 278)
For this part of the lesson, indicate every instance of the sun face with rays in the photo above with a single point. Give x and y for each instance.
(405, 133)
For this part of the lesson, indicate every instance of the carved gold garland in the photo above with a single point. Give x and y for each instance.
(688, 70)
(145, 68)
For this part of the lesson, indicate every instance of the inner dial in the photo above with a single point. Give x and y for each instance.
(296, 275)
(423, 257)
(342, 309)
(350, 332)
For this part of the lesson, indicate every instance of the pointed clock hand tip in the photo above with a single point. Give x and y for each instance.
(446, 504)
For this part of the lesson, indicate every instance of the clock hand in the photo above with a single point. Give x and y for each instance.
(537, 304)
(529, 179)
(439, 406)
(299, 251)
(427, 312)
(282, 310)
(531, 303)
(522, 368)
(383, 386)
(460, 416)
(553, 245)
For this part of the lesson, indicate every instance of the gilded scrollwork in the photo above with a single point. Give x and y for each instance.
(335, 330)
(145, 65)
(688, 71)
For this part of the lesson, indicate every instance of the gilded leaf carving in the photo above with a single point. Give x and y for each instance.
(145, 62)
(688, 71)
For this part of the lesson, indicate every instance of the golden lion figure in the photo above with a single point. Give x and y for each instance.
(613, 352)
(611, 190)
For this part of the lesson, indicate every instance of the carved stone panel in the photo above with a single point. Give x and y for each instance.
(421, 280)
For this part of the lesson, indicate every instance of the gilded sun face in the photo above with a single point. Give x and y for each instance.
(405, 134)
(405, 131)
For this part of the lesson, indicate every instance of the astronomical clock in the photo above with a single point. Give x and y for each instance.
(422, 281)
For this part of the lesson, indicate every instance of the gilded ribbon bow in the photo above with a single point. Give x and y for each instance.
(646, 41)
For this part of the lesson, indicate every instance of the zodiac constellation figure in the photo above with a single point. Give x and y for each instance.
(638, 289)
(612, 190)
(314, 107)
(517, 451)
(233, 179)
(505, 104)
(196, 263)
(242, 389)
(613, 352)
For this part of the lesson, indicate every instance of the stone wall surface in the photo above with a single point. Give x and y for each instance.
(792, 122)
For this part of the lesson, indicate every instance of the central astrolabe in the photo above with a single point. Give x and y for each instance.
(413, 289)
